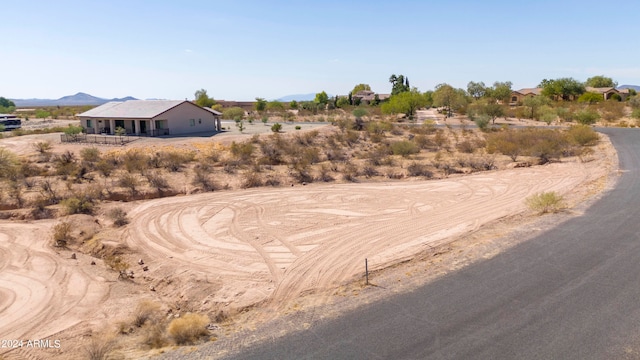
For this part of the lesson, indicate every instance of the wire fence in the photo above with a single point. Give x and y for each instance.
(98, 139)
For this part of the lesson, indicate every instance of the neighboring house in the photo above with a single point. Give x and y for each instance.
(518, 96)
(607, 92)
(150, 118)
(368, 96)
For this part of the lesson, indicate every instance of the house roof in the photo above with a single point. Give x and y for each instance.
(134, 109)
(215, 112)
(600, 90)
(529, 91)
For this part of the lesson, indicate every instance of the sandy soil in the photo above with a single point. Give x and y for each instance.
(261, 247)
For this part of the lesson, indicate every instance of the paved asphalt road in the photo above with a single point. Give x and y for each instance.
(570, 293)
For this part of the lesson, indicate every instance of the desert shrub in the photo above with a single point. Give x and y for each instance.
(545, 202)
(201, 179)
(105, 167)
(188, 329)
(466, 146)
(369, 171)
(587, 117)
(324, 173)
(335, 154)
(118, 264)
(99, 348)
(90, 154)
(135, 161)
(276, 128)
(154, 336)
(404, 148)
(423, 141)
(175, 160)
(272, 181)
(78, 204)
(40, 210)
(242, 151)
(251, 179)
(379, 127)
(302, 173)
(611, 110)
(62, 234)
(583, 135)
(635, 113)
(440, 139)
(42, 146)
(157, 181)
(482, 121)
(418, 169)
(8, 163)
(129, 182)
(118, 216)
(145, 310)
(350, 172)
(65, 163)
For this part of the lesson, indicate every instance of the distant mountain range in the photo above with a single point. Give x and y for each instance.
(634, 87)
(299, 97)
(78, 99)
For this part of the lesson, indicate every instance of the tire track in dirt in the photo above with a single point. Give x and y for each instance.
(291, 241)
(42, 293)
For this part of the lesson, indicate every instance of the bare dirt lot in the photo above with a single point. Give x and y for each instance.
(271, 249)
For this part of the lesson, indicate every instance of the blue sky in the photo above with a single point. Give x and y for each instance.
(239, 50)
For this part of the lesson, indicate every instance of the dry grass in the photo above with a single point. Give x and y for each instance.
(188, 329)
(546, 202)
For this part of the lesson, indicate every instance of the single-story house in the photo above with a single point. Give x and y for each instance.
(518, 96)
(150, 118)
(607, 92)
(368, 96)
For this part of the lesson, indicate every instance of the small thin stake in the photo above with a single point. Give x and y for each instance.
(366, 270)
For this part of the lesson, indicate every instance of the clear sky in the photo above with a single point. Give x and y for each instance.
(239, 50)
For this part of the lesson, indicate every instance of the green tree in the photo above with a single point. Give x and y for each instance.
(533, 103)
(493, 110)
(600, 81)
(562, 88)
(342, 102)
(203, 100)
(321, 98)
(293, 105)
(500, 91)
(476, 89)
(233, 113)
(360, 87)
(399, 84)
(260, 105)
(405, 103)
(6, 103)
(450, 98)
(275, 106)
(590, 98)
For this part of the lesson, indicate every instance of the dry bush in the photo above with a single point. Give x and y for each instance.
(146, 310)
(545, 202)
(188, 329)
(440, 139)
(90, 155)
(324, 173)
(42, 147)
(62, 234)
(272, 154)
(272, 181)
(242, 151)
(586, 154)
(427, 128)
(155, 336)
(157, 181)
(175, 160)
(350, 172)
(404, 148)
(135, 161)
(251, 179)
(335, 154)
(99, 348)
(369, 171)
(129, 182)
(118, 264)
(201, 179)
(418, 169)
(118, 216)
(40, 210)
(65, 164)
(583, 135)
(8, 163)
(105, 167)
(301, 172)
(423, 141)
(78, 204)
(466, 146)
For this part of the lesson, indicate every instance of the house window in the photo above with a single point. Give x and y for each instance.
(199, 121)
(192, 122)
(514, 99)
(89, 123)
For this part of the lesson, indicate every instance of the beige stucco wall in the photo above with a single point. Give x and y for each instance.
(179, 118)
